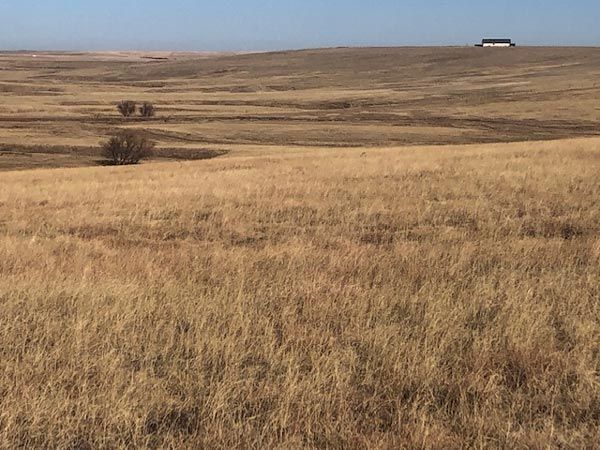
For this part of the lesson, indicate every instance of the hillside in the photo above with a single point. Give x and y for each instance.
(395, 248)
(418, 297)
(332, 97)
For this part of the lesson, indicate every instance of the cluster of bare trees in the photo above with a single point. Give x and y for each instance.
(127, 147)
(127, 108)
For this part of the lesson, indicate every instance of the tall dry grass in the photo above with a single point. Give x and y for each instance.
(417, 298)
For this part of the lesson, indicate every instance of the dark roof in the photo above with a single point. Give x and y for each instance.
(497, 41)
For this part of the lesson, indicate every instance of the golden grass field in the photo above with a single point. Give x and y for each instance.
(337, 97)
(333, 281)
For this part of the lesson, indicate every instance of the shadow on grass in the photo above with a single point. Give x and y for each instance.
(52, 156)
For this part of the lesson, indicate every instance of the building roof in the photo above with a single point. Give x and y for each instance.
(497, 41)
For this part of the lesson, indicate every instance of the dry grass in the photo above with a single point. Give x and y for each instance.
(418, 298)
(332, 97)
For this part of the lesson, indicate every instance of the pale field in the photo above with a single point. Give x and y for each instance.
(332, 280)
(335, 97)
(422, 297)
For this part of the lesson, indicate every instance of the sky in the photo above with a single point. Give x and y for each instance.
(248, 25)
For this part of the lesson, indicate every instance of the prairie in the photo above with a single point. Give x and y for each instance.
(421, 297)
(332, 279)
(369, 97)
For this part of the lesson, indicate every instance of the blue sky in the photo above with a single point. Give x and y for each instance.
(283, 24)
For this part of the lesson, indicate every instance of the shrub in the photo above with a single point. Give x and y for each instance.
(147, 110)
(126, 107)
(127, 147)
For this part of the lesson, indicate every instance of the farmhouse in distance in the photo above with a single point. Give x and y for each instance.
(496, 43)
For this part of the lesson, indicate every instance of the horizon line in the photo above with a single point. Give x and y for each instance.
(283, 49)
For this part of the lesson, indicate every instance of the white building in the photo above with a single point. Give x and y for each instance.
(496, 43)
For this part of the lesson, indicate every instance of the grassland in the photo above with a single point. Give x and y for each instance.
(337, 97)
(423, 297)
(312, 290)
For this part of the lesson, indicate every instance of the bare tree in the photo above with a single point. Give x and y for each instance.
(147, 110)
(126, 107)
(127, 147)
